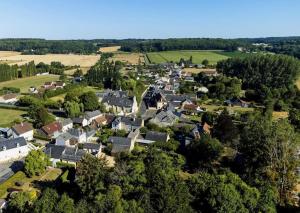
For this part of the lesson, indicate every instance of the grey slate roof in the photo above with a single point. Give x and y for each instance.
(12, 143)
(118, 98)
(65, 136)
(75, 132)
(94, 146)
(66, 121)
(91, 114)
(54, 151)
(78, 120)
(120, 144)
(132, 121)
(156, 136)
(72, 154)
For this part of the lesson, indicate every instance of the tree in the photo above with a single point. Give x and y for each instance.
(90, 101)
(35, 163)
(222, 193)
(47, 203)
(294, 117)
(63, 77)
(225, 130)
(21, 202)
(205, 62)
(65, 204)
(204, 151)
(90, 174)
(78, 73)
(73, 109)
(40, 115)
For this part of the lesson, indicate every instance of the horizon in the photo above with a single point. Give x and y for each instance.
(145, 19)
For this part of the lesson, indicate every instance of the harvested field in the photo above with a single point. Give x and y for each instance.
(9, 53)
(129, 58)
(109, 49)
(66, 59)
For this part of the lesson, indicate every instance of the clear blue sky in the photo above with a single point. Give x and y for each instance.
(87, 19)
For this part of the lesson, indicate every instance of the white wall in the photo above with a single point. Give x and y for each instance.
(14, 154)
(27, 135)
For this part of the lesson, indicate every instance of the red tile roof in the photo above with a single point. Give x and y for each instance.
(52, 127)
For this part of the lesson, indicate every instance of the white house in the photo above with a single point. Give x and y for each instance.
(13, 149)
(66, 124)
(23, 129)
(91, 116)
(8, 98)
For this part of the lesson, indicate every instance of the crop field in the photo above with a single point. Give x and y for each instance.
(9, 115)
(196, 70)
(66, 59)
(25, 83)
(130, 58)
(109, 49)
(198, 56)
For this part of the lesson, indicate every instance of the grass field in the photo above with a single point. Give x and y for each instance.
(9, 115)
(109, 49)
(131, 58)
(25, 83)
(196, 70)
(66, 59)
(49, 175)
(198, 56)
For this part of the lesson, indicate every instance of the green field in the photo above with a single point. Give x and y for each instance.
(25, 83)
(198, 56)
(9, 115)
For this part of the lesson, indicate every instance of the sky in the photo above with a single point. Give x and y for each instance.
(118, 19)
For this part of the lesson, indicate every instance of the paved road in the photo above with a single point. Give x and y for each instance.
(9, 168)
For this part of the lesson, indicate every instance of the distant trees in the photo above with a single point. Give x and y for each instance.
(35, 163)
(205, 62)
(270, 76)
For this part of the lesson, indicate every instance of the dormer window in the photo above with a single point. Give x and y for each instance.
(4, 148)
(18, 145)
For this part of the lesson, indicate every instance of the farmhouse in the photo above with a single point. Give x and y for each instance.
(13, 149)
(127, 123)
(23, 129)
(118, 102)
(236, 102)
(121, 144)
(52, 130)
(8, 98)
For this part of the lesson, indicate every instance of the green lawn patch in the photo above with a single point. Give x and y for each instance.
(9, 115)
(198, 56)
(25, 83)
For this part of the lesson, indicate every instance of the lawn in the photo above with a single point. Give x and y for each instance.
(25, 83)
(198, 56)
(28, 183)
(9, 115)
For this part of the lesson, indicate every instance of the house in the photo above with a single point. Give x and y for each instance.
(60, 84)
(49, 85)
(154, 99)
(13, 149)
(82, 121)
(8, 98)
(81, 136)
(92, 148)
(66, 124)
(100, 121)
(66, 139)
(91, 116)
(190, 108)
(6, 133)
(152, 137)
(236, 102)
(64, 154)
(23, 129)
(121, 144)
(210, 72)
(33, 90)
(199, 129)
(164, 118)
(127, 123)
(176, 100)
(52, 130)
(118, 102)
